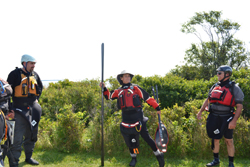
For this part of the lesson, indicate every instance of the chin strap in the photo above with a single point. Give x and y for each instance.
(26, 68)
(224, 78)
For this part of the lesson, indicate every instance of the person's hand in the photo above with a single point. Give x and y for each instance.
(102, 83)
(159, 112)
(199, 115)
(11, 114)
(232, 124)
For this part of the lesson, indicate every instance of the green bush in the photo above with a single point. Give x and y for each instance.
(46, 134)
(71, 118)
(65, 134)
(69, 129)
(83, 96)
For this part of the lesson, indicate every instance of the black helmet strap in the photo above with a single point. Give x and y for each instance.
(224, 77)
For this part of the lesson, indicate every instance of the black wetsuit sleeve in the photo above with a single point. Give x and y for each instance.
(14, 79)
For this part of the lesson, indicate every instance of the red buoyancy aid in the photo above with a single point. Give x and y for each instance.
(222, 95)
(128, 98)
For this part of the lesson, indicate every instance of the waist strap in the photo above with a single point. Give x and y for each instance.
(130, 125)
(15, 104)
(222, 114)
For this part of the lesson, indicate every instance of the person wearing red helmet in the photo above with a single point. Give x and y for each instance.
(223, 97)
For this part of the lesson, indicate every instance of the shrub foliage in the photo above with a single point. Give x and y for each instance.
(71, 118)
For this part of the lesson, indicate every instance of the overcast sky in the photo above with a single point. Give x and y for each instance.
(141, 36)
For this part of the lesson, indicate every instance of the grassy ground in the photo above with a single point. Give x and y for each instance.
(58, 159)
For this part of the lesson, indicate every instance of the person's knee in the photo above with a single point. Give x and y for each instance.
(229, 142)
(144, 134)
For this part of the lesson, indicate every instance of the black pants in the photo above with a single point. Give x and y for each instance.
(145, 135)
(23, 135)
(217, 126)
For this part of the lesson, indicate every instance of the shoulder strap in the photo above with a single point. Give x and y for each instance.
(33, 73)
(133, 85)
(212, 88)
(232, 92)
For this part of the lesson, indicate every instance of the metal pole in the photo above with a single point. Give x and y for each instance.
(159, 117)
(156, 93)
(153, 91)
(102, 145)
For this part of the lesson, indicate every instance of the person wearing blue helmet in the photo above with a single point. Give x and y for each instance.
(27, 88)
(28, 60)
(223, 98)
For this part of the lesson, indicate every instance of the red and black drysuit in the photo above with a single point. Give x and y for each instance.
(129, 101)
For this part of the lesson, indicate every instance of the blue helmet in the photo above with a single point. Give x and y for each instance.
(26, 58)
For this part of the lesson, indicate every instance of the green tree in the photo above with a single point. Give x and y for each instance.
(221, 48)
(185, 71)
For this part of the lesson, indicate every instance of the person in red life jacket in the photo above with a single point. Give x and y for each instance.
(222, 100)
(133, 121)
(27, 88)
